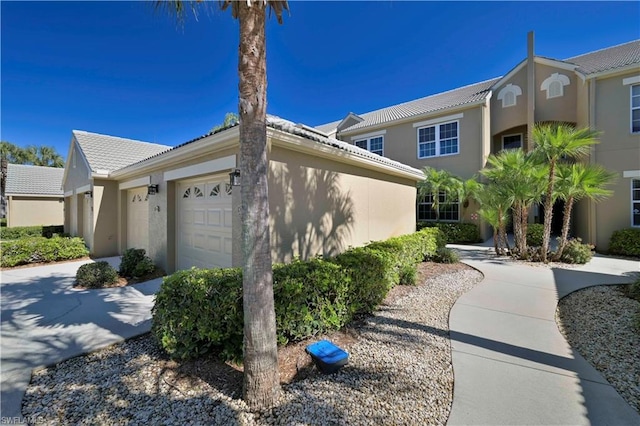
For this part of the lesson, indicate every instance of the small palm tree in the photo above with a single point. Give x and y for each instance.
(575, 182)
(553, 142)
(437, 184)
(495, 204)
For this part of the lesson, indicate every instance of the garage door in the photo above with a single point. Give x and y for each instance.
(204, 223)
(138, 218)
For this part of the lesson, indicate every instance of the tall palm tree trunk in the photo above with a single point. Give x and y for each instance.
(261, 377)
(548, 211)
(566, 220)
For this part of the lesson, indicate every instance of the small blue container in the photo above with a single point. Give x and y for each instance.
(328, 357)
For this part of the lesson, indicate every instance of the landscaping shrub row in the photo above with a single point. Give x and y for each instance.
(625, 242)
(134, 264)
(17, 232)
(41, 249)
(197, 310)
(454, 233)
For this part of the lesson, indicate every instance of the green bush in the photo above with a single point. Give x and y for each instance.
(455, 232)
(3, 222)
(633, 290)
(40, 249)
(445, 255)
(625, 242)
(96, 275)
(18, 232)
(576, 252)
(135, 264)
(535, 234)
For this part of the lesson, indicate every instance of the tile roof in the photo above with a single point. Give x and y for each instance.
(36, 180)
(608, 59)
(429, 104)
(108, 153)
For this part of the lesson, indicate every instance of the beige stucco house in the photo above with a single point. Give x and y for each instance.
(178, 204)
(457, 130)
(34, 195)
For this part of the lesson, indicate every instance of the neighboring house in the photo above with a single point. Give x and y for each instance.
(34, 195)
(457, 130)
(178, 204)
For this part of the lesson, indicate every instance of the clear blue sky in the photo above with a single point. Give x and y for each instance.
(123, 69)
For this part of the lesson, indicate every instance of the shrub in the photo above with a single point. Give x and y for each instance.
(135, 264)
(40, 249)
(18, 232)
(455, 233)
(625, 242)
(96, 275)
(445, 255)
(633, 290)
(535, 234)
(3, 222)
(576, 252)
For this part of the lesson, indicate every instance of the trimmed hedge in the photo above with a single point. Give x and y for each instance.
(535, 234)
(135, 264)
(18, 232)
(41, 250)
(576, 252)
(454, 233)
(625, 242)
(198, 310)
(96, 275)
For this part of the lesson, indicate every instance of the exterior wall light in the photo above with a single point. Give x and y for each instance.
(234, 177)
(152, 189)
(88, 194)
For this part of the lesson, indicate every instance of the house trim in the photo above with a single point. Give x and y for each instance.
(607, 73)
(208, 167)
(35, 195)
(510, 74)
(68, 193)
(438, 120)
(369, 135)
(84, 188)
(631, 80)
(631, 174)
(134, 183)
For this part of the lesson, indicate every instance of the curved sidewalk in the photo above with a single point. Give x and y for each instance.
(512, 366)
(45, 320)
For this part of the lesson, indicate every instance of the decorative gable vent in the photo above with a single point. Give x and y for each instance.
(554, 85)
(508, 95)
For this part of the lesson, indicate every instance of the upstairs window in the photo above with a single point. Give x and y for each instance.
(438, 140)
(508, 95)
(554, 85)
(512, 141)
(635, 108)
(374, 144)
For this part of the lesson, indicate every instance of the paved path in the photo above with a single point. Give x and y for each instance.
(45, 320)
(511, 364)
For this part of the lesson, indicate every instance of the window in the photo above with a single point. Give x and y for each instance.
(508, 95)
(438, 140)
(511, 141)
(449, 212)
(374, 144)
(635, 202)
(635, 108)
(554, 85)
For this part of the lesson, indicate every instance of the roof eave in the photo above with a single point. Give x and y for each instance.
(614, 71)
(20, 194)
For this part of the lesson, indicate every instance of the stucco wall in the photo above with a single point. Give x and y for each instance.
(77, 176)
(319, 206)
(105, 218)
(33, 211)
(509, 117)
(555, 109)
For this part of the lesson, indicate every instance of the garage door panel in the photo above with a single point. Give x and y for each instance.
(205, 224)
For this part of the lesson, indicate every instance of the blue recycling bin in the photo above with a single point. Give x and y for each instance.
(328, 357)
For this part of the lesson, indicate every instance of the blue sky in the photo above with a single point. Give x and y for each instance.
(124, 69)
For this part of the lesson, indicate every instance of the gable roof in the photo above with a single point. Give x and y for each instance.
(108, 153)
(608, 59)
(429, 104)
(34, 180)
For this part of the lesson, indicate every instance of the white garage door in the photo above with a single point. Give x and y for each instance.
(138, 218)
(204, 223)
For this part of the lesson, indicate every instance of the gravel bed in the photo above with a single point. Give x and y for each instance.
(399, 373)
(598, 322)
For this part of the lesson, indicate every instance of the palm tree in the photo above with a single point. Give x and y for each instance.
(522, 178)
(439, 183)
(495, 204)
(261, 384)
(230, 119)
(575, 182)
(47, 156)
(554, 141)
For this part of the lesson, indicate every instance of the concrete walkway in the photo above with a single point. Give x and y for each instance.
(45, 321)
(511, 364)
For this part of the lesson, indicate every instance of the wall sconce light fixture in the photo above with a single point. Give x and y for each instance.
(234, 177)
(88, 194)
(152, 189)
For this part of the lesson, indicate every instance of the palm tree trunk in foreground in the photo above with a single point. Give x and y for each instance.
(566, 220)
(261, 377)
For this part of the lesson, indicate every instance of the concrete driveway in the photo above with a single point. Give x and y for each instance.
(45, 321)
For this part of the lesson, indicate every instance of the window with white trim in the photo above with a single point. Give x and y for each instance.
(508, 95)
(635, 202)
(449, 212)
(554, 85)
(374, 144)
(512, 141)
(635, 108)
(441, 139)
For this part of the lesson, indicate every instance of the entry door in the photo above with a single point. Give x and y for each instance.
(204, 223)
(138, 218)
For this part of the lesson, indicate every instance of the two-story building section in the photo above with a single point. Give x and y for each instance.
(457, 130)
